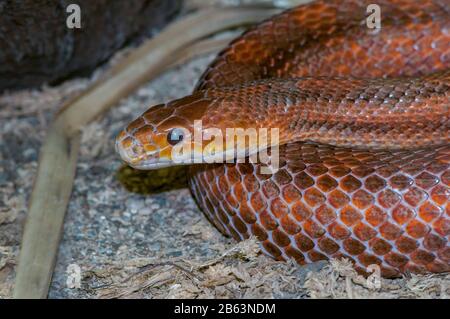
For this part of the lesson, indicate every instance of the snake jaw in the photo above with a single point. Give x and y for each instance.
(151, 165)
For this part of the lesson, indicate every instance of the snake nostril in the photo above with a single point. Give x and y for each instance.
(136, 150)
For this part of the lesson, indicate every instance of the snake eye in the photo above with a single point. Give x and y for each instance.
(175, 136)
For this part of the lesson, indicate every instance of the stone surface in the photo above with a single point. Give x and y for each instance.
(37, 47)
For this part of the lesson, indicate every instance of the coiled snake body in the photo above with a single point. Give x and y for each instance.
(363, 121)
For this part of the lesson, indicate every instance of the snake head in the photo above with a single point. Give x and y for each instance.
(155, 138)
(205, 127)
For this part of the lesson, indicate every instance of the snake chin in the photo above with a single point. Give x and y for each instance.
(150, 165)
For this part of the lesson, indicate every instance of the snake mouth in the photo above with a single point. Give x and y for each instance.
(143, 162)
(150, 165)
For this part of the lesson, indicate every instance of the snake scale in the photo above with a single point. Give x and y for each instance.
(363, 149)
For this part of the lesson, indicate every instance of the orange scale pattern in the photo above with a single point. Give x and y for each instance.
(308, 213)
(318, 74)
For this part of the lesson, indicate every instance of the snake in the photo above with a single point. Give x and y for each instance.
(356, 119)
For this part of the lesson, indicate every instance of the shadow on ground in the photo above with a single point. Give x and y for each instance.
(153, 181)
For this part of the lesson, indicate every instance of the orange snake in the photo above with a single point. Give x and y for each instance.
(363, 121)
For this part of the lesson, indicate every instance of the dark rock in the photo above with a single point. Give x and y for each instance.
(36, 46)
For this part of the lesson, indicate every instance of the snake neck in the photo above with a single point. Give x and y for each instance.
(403, 113)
